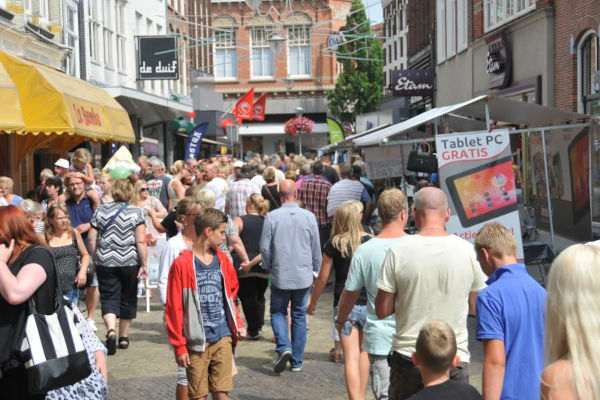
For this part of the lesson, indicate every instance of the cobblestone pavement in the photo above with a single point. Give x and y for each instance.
(147, 369)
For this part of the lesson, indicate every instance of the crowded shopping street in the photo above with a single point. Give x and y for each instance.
(349, 199)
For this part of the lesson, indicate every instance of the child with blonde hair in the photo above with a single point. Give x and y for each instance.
(81, 167)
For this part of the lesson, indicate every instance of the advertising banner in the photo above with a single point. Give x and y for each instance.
(194, 141)
(384, 162)
(476, 173)
(412, 82)
(336, 134)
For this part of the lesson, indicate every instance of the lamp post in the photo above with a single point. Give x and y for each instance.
(276, 43)
(299, 112)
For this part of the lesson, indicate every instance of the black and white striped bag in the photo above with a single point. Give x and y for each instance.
(53, 349)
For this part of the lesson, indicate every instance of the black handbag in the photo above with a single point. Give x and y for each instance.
(89, 275)
(52, 348)
(422, 161)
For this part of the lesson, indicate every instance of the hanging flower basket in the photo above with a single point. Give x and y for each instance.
(299, 125)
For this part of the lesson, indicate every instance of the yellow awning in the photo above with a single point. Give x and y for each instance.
(11, 118)
(53, 102)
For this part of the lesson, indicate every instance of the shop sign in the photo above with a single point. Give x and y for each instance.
(157, 57)
(86, 115)
(412, 82)
(498, 62)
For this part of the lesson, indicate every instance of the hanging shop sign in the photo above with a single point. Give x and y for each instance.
(157, 57)
(498, 62)
(476, 172)
(412, 82)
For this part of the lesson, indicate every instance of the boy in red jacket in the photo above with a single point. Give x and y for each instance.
(203, 323)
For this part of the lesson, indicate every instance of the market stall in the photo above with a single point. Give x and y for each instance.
(549, 148)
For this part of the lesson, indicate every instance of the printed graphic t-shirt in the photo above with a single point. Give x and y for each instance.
(212, 305)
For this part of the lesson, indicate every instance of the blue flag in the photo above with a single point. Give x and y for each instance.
(194, 142)
(114, 147)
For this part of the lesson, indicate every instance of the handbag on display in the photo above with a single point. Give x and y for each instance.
(52, 348)
(422, 161)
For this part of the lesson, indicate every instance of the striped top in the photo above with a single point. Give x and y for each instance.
(344, 190)
(116, 245)
(313, 193)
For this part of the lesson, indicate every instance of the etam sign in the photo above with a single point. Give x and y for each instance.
(412, 82)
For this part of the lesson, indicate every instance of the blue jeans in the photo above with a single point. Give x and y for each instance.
(280, 299)
(72, 295)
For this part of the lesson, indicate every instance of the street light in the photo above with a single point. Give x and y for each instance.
(276, 43)
(299, 112)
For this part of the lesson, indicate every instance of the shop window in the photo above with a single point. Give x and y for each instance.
(225, 54)
(588, 61)
(499, 12)
(262, 56)
(299, 57)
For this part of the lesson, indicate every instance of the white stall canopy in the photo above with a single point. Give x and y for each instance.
(477, 114)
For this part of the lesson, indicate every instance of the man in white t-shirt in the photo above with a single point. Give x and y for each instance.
(431, 275)
(217, 185)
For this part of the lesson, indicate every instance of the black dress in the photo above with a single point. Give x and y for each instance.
(13, 383)
(270, 193)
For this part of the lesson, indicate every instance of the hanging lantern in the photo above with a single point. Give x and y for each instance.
(276, 43)
(253, 4)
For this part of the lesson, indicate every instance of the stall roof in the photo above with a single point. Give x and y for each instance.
(352, 137)
(500, 109)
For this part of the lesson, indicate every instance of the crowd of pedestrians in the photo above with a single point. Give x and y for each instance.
(235, 229)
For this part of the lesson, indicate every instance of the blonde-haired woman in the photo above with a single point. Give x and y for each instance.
(346, 235)
(67, 247)
(175, 189)
(106, 182)
(573, 326)
(253, 278)
(142, 199)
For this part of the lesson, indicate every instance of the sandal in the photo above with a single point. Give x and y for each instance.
(111, 342)
(335, 356)
(123, 342)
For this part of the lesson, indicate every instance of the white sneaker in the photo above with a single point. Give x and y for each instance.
(92, 324)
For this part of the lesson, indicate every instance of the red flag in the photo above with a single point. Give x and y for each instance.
(258, 113)
(243, 108)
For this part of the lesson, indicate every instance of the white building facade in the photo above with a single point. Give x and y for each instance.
(395, 29)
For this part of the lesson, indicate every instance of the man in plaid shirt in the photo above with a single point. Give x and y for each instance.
(239, 191)
(313, 193)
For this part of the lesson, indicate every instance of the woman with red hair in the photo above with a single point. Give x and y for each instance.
(26, 271)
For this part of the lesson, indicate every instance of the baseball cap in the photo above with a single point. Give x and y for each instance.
(238, 164)
(61, 162)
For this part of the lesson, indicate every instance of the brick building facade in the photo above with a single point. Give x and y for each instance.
(296, 80)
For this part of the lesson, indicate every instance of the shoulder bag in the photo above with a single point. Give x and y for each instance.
(113, 218)
(273, 198)
(52, 347)
(422, 161)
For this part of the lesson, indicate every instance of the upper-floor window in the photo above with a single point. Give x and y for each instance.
(299, 57)
(108, 35)
(499, 12)
(93, 30)
(262, 56)
(225, 53)
(452, 24)
(588, 61)
(71, 39)
(121, 39)
(37, 9)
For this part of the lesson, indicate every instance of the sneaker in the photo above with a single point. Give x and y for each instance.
(253, 336)
(297, 368)
(92, 324)
(282, 361)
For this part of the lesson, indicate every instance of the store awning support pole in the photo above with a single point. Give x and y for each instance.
(487, 116)
(548, 190)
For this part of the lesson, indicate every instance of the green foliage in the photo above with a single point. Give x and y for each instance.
(359, 88)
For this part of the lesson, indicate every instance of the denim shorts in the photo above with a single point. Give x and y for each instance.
(356, 319)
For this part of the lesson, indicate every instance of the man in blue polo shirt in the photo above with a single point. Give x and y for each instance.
(510, 319)
(80, 214)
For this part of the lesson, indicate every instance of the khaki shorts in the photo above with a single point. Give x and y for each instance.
(211, 370)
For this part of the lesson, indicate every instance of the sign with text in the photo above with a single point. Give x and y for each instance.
(157, 57)
(476, 173)
(412, 82)
(384, 162)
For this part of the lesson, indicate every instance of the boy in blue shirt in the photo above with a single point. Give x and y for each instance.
(510, 319)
